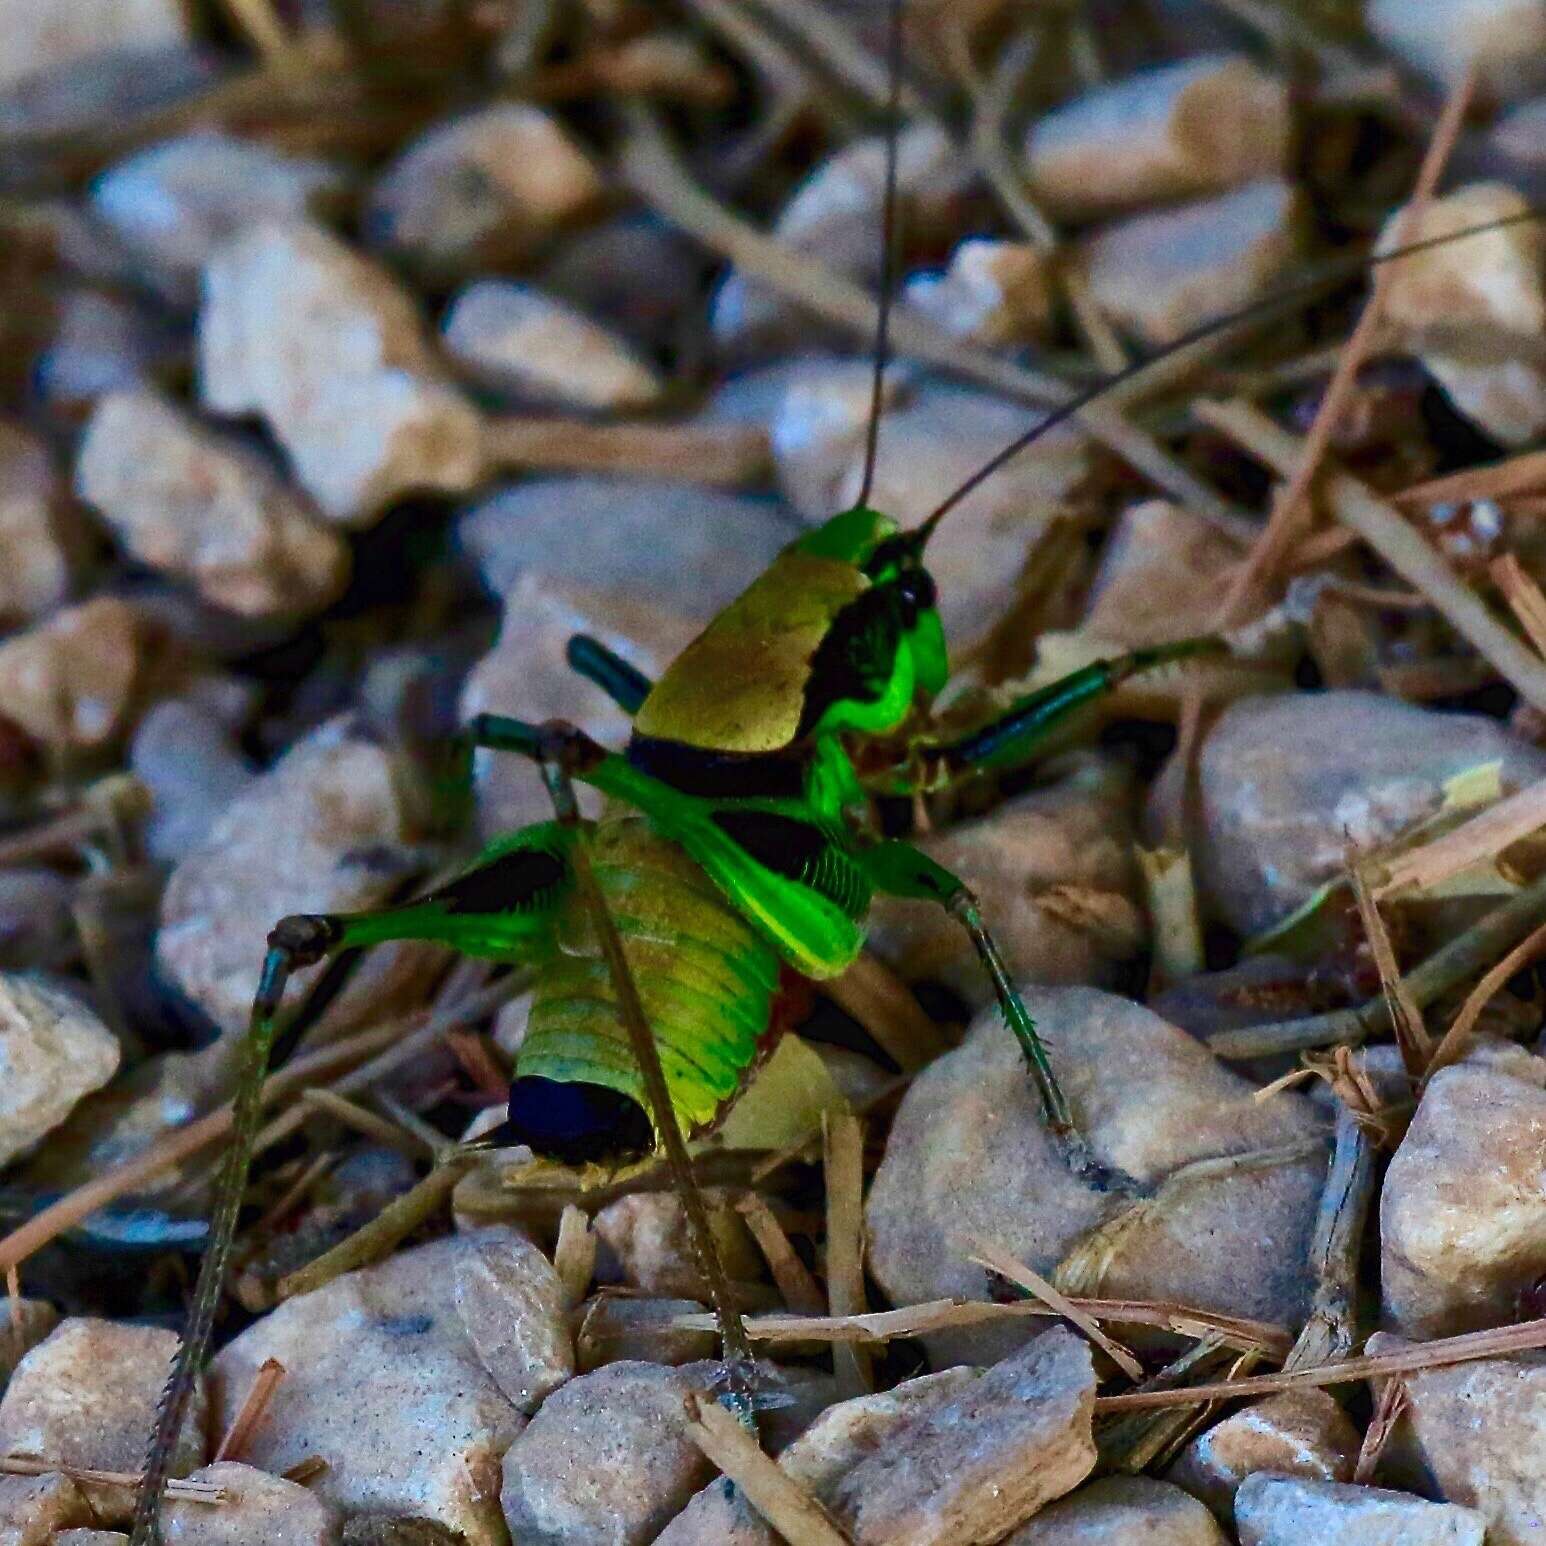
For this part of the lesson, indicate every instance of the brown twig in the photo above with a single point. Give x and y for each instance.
(1446, 969)
(773, 1492)
(1284, 523)
(1383, 527)
(1440, 1354)
(1457, 1039)
(722, 455)
(843, 1152)
(1406, 1018)
(1388, 1410)
(239, 1434)
(1521, 474)
(179, 1488)
(801, 1292)
(1523, 596)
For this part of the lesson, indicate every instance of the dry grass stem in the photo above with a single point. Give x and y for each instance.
(871, 993)
(801, 1292)
(574, 1254)
(1483, 836)
(721, 455)
(996, 1259)
(783, 1502)
(1284, 522)
(1388, 1410)
(1523, 596)
(330, 1103)
(1441, 1354)
(1406, 1018)
(258, 23)
(1410, 554)
(245, 1424)
(843, 1156)
(1521, 474)
(1457, 1039)
(184, 1491)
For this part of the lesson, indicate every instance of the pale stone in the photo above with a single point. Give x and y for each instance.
(259, 1510)
(23, 1324)
(1286, 783)
(77, 682)
(512, 1307)
(101, 341)
(482, 191)
(87, 1396)
(189, 762)
(1479, 1433)
(53, 1050)
(47, 34)
(969, 1469)
(88, 1538)
(203, 507)
(1054, 874)
(175, 203)
(969, 1158)
(1161, 576)
(1296, 1433)
(322, 343)
(607, 1461)
(38, 544)
(1504, 40)
(513, 339)
(1294, 1511)
(526, 674)
(648, 1238)
(1162, 274)
(385, 1384)
(1463, 1206)
(1122, 1511)
(37, 1510)
(1179, 131)
(1473, 310)
(818, 1459)
(322, 831)
(993, 292)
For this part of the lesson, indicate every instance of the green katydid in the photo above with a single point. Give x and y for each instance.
(727, 858)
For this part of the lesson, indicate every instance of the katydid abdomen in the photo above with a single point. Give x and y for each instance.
(707, 979)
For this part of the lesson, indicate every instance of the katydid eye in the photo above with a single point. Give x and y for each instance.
(915, 588)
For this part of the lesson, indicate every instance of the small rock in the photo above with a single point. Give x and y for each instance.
(512, 1307)
(1463, 1207)
(386, 1385)
(1160, 577)
(36, 1510)
(932, 439)
(971, 1468)
(526, 674)
(607, 1461)
(87, 1396)
(88, 1538)
(23, 1324)
(647, 1234)
(1202, 126)
(1054, 873)
(41, 544)
(383, 1530)
(691, 548)
(618, 1328)
(482, 191)
(1473, 311)
(1160, 275)
(1294, 1511)
(297, 327)
(77, 682)
(968, 1157)
(53, 1050)
(835, 216)
(1505, 40)
(259, 1510)
(1285, 783)
(997, 293)
(43, 35)
(1477, 1431)
(98, 343)
(818, 1459)
(203, 507)
(174, 204)
(1520, 135)
(1122, 1511)
(189, 761)
(513, 340)
(1295, 1433)
(321, 831)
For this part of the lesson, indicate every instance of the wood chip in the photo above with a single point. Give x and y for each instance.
(843, 1145)
(574, 1254)
(1484, 836)
(239, 1434)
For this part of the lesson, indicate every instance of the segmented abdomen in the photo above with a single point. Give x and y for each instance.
(706, 978)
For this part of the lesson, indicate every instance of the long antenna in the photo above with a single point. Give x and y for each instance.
(888, 246)
(1282, 300)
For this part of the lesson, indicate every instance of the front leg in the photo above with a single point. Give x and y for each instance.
(898, 869)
